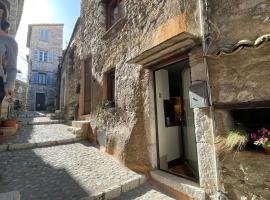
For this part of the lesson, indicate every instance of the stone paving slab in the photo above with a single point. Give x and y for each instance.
(40, 134)
(145, 192)
(72, 171)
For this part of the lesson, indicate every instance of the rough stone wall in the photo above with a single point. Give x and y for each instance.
(55, 46)
(15, 13)
(72, 77)
(125, 125)
(238, 78)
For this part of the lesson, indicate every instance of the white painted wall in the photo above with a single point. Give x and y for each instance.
(168, 136)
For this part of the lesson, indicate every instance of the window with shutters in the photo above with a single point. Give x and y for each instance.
(42, 78)
(43, 56)
(44, 35)
(115, 10)
(49, 78)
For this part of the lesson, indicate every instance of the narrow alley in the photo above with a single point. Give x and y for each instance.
(47, 161)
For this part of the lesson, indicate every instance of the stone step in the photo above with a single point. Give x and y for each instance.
(40, 121)
(21, 146)
(72, 171)
(33, 136)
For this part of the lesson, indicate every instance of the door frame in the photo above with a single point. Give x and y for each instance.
(43, 93)
(163, 64)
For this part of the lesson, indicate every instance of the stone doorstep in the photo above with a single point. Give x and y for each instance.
(14, 195)
(20, 146)
(117, 190)
(78, 132)
(179, 184)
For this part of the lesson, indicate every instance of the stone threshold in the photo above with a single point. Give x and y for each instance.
(117, 190)
(179, 184)
(21, 146)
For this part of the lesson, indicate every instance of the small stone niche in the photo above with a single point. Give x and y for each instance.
(251, 120)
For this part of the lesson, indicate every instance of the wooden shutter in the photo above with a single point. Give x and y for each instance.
(35, 54)
(34, 77)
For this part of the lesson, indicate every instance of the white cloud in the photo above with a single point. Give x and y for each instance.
(35, 11)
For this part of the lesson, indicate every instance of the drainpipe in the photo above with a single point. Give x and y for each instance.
(203, 4)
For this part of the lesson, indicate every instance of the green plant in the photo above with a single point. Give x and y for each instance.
(236, 138)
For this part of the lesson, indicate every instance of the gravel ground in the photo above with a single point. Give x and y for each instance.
(41, 133)
(145, 192)
(62, 172)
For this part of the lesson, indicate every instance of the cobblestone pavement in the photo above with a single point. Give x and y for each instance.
(145, 192)
(61, 172)
(41, 133)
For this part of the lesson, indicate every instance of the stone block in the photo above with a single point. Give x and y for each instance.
(14, 195)
(130, 184)
(3, 147)
(112, 192)
(203, 125)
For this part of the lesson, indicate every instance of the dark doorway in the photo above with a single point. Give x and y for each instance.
(87, 85)
(175, 121)
(40, 101)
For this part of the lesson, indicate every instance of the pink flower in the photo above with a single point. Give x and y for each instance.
(253, 136)
(263, 139)
(263, 130)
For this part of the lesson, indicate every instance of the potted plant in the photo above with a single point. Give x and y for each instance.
(236, 139)
(10, 121)
(262, 138)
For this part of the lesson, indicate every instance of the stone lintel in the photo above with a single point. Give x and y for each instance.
(173, 46)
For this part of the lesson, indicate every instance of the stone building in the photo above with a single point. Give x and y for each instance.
(70, 76)
(15, 8)
(45, 47)
(163, 81)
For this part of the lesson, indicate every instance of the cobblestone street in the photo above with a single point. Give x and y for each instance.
(70, 170)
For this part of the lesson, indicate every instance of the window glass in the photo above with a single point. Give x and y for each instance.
(42, 78)
(115, 11)
(44, 35)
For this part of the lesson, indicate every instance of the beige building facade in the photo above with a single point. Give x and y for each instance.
(45, 47)
(162, 83)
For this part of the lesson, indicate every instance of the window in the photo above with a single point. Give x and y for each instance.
(44, 35)
(111, 86)
(115, 10)
(43, 56)
(42, 78)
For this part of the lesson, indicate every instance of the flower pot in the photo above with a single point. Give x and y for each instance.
(1, 138)
(8, 131)
(267, 149)
(9, 123)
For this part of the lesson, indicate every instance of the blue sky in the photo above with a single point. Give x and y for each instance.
(45, 11)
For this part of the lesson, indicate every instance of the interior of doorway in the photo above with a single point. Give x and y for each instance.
(177, 152)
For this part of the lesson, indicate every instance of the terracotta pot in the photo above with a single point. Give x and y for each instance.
(267, 150)
(9, 123)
